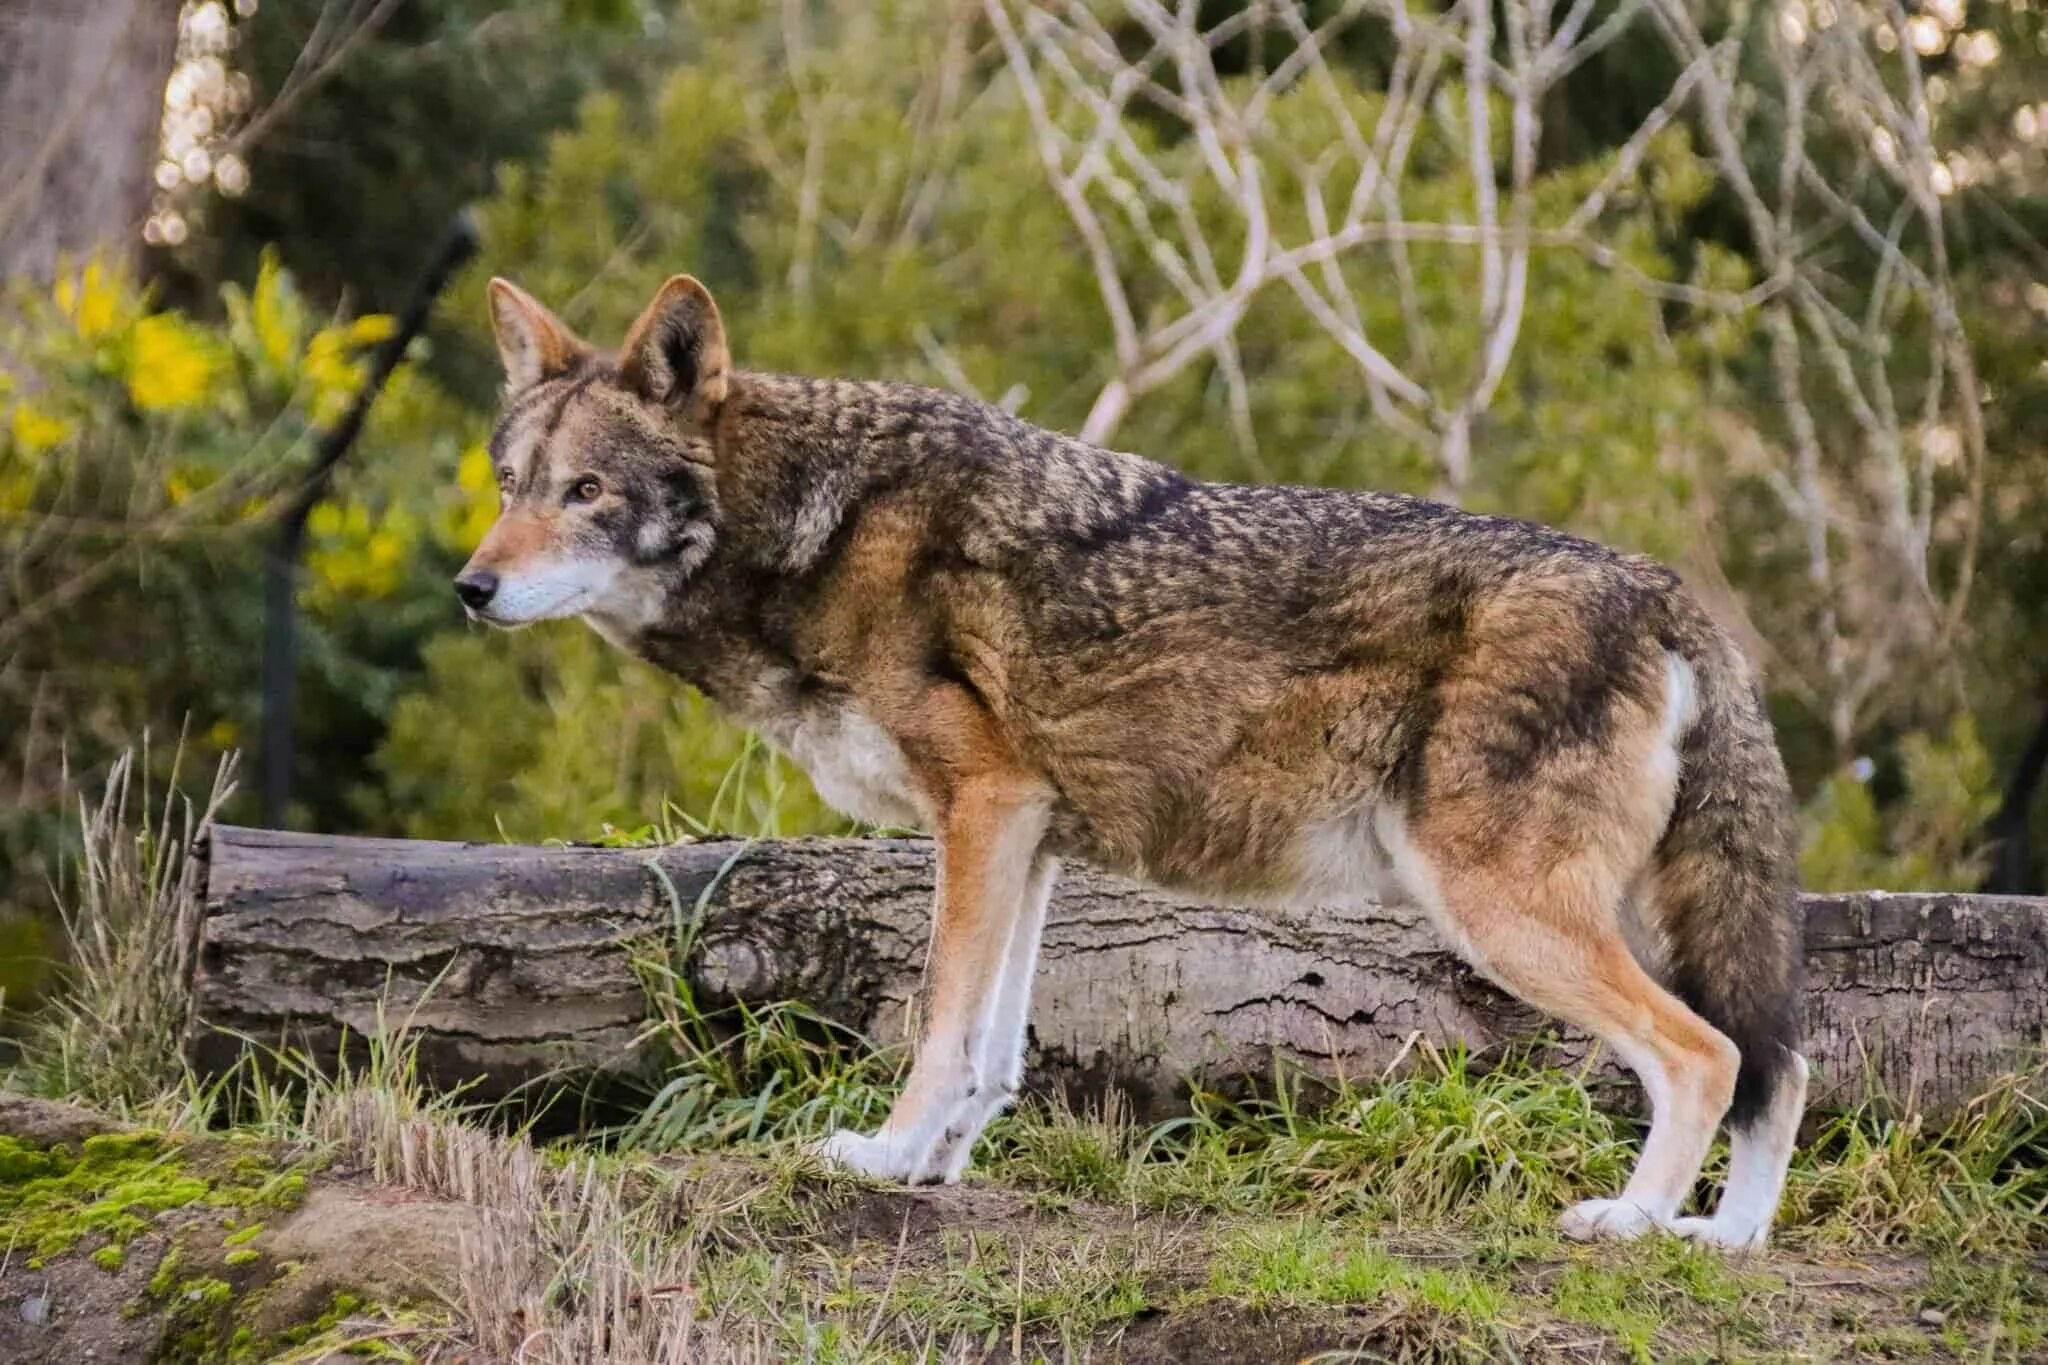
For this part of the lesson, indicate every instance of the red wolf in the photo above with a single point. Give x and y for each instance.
(1039, 649)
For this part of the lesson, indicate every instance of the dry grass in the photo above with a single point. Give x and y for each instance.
(569, 1268)
(117, 1028)
(1431, 1195)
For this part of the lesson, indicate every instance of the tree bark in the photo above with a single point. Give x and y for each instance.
(512, 961)
(81, 106)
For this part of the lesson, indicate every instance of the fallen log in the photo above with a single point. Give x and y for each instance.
(514, 962)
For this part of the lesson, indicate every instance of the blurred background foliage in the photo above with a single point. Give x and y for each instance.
(863, 188)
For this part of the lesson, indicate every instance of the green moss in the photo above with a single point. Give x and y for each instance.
(242, 1236)
(338, 1331)
(339, 1309)
(20, 1162)
(282, 1190)
(109, 1258)
(208, 1319)
(110, 1187)
(116, 1184)
(166, 1274)
(199, 1326)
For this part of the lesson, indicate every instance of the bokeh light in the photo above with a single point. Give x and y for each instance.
(205, 103)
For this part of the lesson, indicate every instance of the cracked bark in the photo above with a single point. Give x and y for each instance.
(515, 961)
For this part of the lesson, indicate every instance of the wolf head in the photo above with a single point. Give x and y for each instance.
(608, 500)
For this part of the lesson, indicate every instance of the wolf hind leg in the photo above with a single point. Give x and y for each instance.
(1759, 1152)
(1551, 935)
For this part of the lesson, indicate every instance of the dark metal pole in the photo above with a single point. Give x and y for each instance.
(281, 567)
(2011, 867)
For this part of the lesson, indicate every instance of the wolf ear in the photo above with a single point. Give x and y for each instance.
(532, 342)
(675, 354)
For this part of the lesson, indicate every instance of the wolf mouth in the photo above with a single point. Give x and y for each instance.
(568, 602)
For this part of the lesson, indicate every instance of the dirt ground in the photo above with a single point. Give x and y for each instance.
(978, 1271)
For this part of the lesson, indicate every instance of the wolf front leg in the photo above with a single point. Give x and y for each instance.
(988, 853)
(1002, 1037)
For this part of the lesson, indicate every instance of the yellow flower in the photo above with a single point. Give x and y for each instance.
(35, 431)
(371, 328)
(221, 735)
(475, 524)
(92, 301)
(325, 520)
(17, 491)
(276, 314)
(170, 364)
(473, 474)
(334, 376)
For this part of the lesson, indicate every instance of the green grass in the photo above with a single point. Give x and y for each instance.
(1412, 1215)
(1633, 1298)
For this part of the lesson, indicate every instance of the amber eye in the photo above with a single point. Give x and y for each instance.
(584, 490)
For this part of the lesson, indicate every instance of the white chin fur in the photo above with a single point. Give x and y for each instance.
(549, 592)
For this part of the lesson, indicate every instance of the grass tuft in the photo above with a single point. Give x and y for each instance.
(114, 1036)
(744, 1074)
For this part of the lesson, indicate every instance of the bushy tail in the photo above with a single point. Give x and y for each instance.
(1724, 879)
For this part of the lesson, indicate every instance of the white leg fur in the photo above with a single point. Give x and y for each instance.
(1757, 1161)
(1682, 1123)
(1003, 1033)
(948, 1071)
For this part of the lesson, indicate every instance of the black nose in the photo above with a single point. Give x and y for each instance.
(476, 588)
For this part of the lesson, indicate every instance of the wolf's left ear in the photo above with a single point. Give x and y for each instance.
(676, 354)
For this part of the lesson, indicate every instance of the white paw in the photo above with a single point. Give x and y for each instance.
(876, 1156)
(948, 1158)
(1713, 1232)
(1615, 1220)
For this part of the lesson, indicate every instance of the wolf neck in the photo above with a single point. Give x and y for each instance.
(796, 459)
(796, 456)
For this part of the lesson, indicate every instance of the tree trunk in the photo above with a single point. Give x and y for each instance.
(81, 103)
(512, 960)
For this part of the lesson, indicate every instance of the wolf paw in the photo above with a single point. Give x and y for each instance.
(874, 1156)
(947, 1161)
(1713, 1232)
(1615, 1220)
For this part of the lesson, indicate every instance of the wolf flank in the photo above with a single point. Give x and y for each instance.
(1038, 650)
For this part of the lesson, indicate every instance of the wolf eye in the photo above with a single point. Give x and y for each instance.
(505, 482)
(584, 490)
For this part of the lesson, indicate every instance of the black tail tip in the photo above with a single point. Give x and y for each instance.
(1765, 1063)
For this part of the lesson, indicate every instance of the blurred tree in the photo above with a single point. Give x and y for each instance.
(1757, 288)
(141, 454)
(81, 96)
(370, 125)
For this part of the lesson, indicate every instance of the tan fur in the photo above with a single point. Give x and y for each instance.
(1041, 649)
(514, 539)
